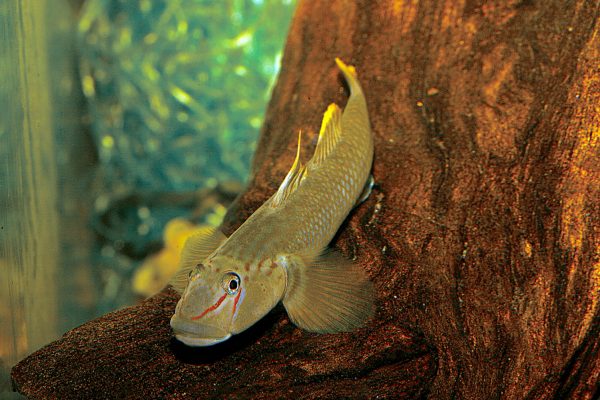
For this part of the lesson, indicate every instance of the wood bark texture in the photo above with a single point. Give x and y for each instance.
(482, 234)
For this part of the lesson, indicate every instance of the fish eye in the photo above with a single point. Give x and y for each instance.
(231, 282)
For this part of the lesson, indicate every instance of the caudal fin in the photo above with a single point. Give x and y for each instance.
(350, 75)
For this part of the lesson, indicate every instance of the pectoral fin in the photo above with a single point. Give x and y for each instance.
(330, 294)
(196, 249)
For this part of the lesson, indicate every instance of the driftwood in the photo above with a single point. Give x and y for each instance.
(481, 235)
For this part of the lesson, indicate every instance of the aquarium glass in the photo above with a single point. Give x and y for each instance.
(29, 244)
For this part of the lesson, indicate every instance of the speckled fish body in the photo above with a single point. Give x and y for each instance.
(280, 252)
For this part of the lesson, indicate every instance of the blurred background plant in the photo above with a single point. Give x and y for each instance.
(177, 88)
(123, 117)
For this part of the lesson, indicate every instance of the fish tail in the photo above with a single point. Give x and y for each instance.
(350, 75)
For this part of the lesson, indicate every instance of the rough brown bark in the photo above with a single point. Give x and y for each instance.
(482, 235)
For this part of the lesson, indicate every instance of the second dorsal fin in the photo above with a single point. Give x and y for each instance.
(292, 179)
(329, 134)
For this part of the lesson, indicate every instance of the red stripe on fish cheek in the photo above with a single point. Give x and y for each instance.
(235, 302)
(211, 308)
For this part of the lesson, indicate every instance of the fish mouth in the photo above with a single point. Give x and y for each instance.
(197, 335)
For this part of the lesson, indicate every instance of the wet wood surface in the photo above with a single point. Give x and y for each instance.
(482, 234)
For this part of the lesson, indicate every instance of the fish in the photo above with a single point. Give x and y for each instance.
(280, 253)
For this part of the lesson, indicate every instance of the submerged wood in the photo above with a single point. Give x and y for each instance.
(481, 234)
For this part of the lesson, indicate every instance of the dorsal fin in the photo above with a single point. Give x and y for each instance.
(331, 128)
(292, 179)
(197, 247)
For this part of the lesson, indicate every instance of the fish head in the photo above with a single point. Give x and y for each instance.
(224, 297)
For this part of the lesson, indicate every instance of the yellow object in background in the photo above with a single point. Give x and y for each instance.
(158, 268)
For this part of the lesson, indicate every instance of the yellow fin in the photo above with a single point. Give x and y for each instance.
(331, 294)
(196, 249)
(331, 128)
(350, 74)
(292, 179)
